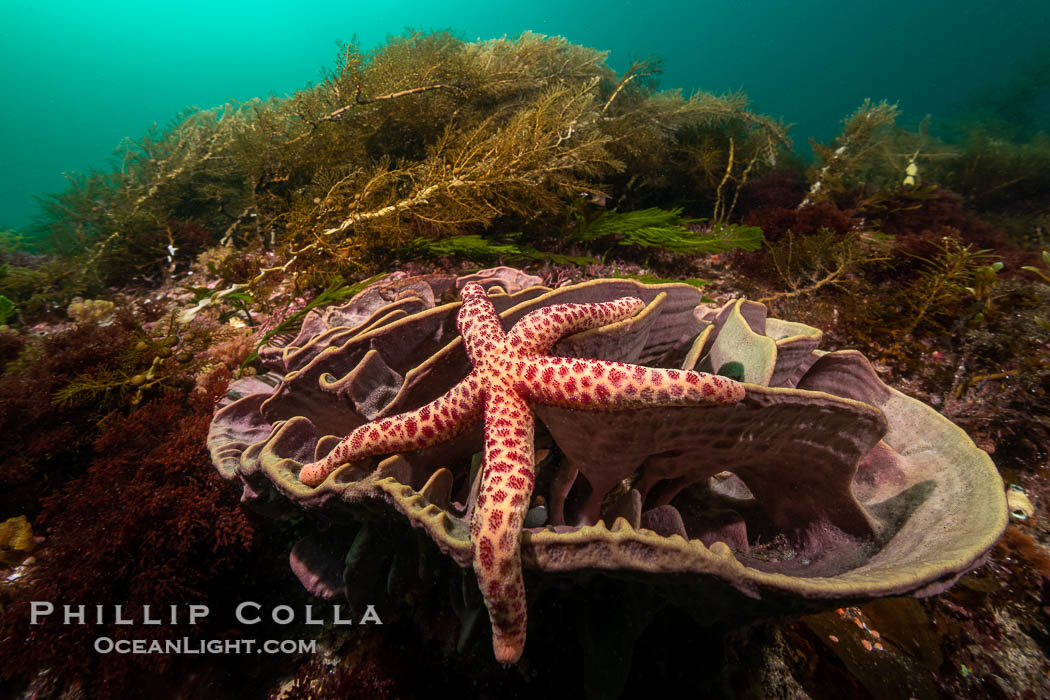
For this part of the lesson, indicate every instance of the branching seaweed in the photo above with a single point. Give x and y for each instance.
(807, 264)
(157, 363)
(864, 140)
(943, 281)
(424, 137)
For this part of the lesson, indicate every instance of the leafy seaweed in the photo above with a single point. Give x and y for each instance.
(475, 247)
(1035, 270)
(665, 229)
(7, 310)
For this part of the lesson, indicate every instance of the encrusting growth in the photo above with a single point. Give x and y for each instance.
(511, 372)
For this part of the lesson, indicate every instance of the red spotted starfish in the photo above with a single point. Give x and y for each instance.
(511, 372)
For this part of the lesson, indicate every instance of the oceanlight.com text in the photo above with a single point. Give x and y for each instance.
(107, 645)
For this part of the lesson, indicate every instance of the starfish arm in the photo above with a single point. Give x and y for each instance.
(478, 323)
(597, 385)
(511, 371)
(503, 498)
(539, 330)
(439, 420)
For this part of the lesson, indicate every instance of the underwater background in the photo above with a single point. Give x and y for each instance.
(78, 78)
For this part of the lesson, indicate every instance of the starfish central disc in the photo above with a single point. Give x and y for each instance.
(512, 371)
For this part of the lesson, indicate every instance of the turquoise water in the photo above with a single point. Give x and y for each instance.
(78, 77)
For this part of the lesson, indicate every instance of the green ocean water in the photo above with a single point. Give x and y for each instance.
(76, 78)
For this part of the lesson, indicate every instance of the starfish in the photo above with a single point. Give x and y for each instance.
(511, 372)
